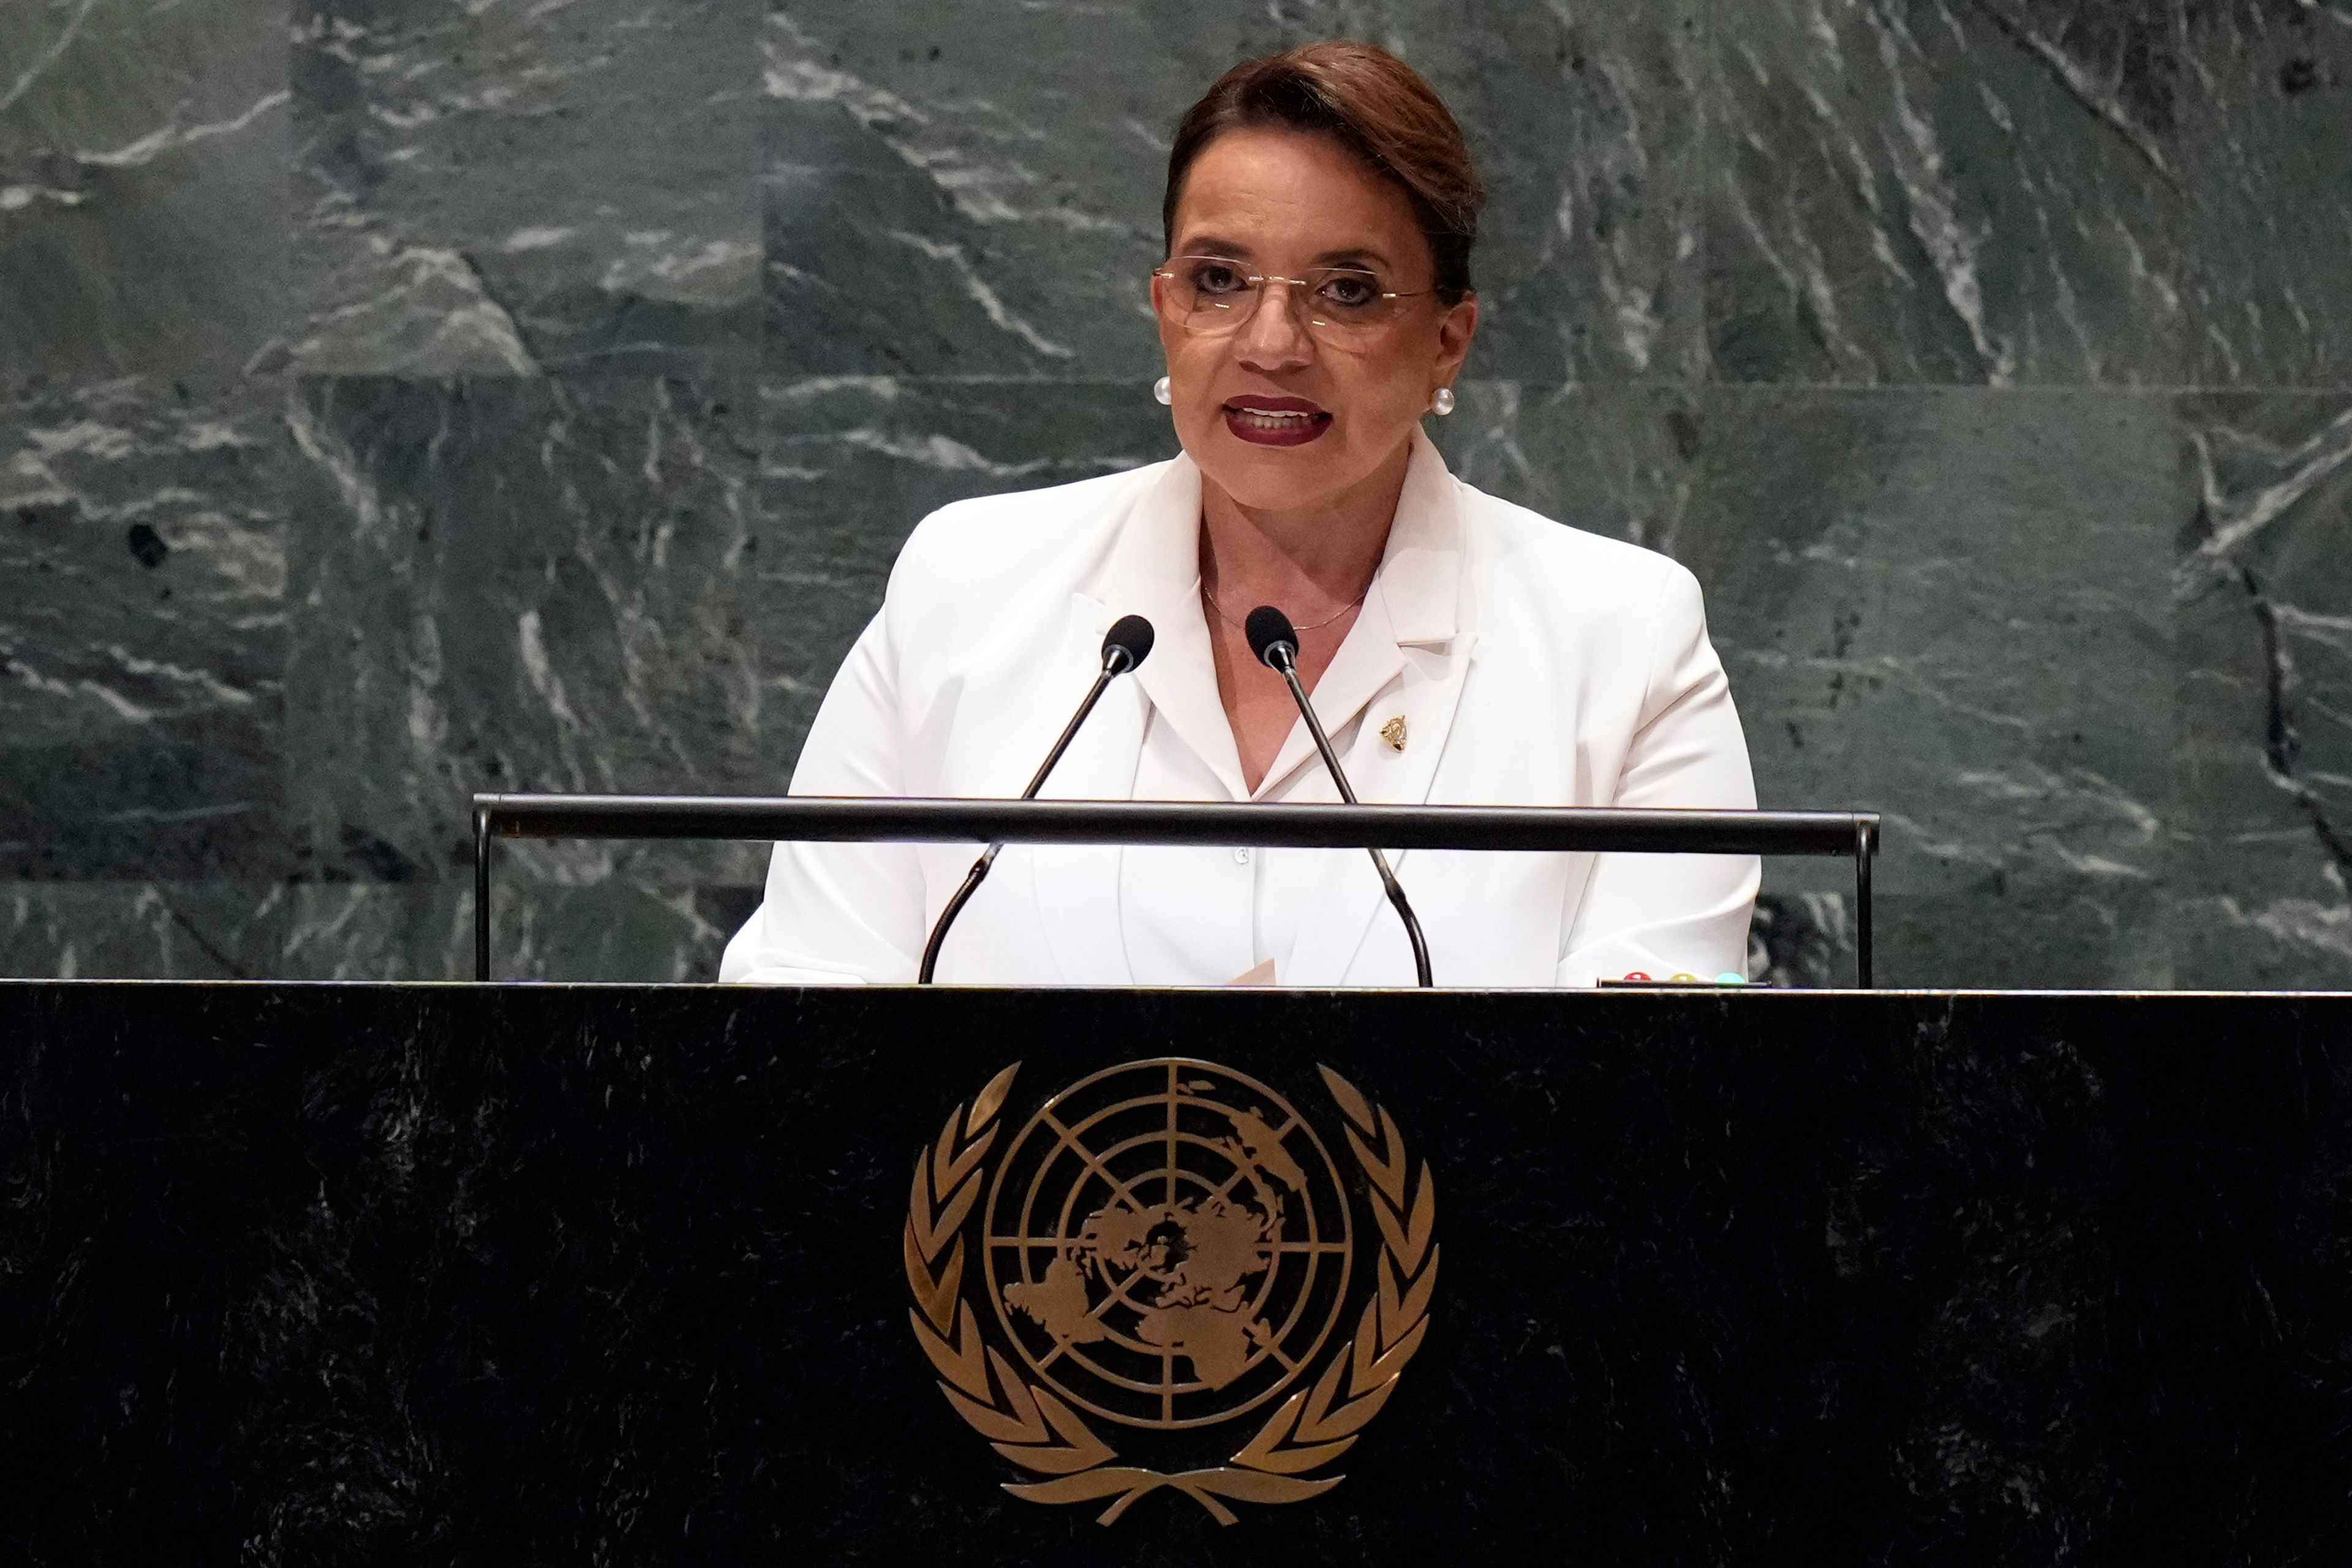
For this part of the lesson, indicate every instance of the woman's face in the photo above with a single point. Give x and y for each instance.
(1283, 417)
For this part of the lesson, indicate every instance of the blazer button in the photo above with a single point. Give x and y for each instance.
(1241, 857)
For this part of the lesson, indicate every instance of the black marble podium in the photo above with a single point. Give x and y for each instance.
(300, 1274)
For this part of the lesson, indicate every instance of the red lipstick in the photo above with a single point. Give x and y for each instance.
(1266, 421)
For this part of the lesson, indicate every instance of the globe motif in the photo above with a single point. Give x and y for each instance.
(1169, 1243)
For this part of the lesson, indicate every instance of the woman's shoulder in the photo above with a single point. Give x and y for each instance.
(1016, 535)
(1522, 552)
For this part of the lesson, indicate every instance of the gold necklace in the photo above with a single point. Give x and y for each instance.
(1318, 626)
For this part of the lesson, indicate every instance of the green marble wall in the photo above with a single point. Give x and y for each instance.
(530, 394)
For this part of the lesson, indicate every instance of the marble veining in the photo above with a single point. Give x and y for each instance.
(833, 444)
(510, 190)
(933, 208)
(2268, 168)
(2261, 587)
(142, 530)
(558, 599)
(1943, 192)
(1951, 606)
(142, 210)
(403, 398)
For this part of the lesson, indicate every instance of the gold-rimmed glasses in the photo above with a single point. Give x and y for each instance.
(1214, 296)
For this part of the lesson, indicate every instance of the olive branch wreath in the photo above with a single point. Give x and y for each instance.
(1027, 1425)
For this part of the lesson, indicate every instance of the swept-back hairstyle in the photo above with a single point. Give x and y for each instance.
(1374, 103)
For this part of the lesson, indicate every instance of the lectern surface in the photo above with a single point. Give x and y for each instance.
(316, 1274)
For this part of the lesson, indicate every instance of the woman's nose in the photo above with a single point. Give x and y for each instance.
(1276, 336)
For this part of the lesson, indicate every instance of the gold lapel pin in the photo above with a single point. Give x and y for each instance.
(1393, 734)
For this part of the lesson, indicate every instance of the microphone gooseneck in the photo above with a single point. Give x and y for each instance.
(1276, 644)
(1124, 647)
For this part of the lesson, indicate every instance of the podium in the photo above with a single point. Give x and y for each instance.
(312, 1274)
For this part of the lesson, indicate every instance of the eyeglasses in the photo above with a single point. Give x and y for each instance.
(1213, 296)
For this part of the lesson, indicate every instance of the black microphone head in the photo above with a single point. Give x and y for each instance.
(1268, 628)
(1131, 635)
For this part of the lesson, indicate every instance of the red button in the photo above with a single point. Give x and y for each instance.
(1635, 975)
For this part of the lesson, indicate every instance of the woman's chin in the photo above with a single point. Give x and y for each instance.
(1251, 488)
(1286, 480)
(1272, 479)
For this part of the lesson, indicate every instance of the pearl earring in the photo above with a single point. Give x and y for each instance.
(1163, 392)
(1443, 402)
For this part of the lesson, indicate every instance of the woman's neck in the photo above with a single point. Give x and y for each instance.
(1309, 562)
(1315, 565)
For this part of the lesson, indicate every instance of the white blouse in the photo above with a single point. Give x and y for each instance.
(1517, 661)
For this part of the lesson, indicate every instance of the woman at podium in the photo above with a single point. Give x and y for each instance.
(1314, 308)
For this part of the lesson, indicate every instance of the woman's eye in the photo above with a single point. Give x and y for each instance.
(1211, 278)
(1351, 291)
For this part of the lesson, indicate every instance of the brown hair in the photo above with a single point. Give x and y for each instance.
(1377, 105)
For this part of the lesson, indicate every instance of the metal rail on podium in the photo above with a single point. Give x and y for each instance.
(816, 818)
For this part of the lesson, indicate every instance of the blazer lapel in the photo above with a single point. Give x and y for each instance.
(1152, 571)
(1421, 618)
(1349, 896)
(1078, 884)
(1419, 594)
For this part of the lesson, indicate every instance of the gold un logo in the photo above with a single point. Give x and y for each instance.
(1167, 1249)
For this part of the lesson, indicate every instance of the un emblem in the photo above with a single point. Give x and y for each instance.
(1168, 1247)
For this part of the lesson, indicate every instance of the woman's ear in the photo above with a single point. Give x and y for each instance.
(1453, 334)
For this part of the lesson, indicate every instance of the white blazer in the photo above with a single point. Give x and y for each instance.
(1519, 662)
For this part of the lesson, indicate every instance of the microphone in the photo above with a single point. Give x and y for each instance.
(1124, 647)
(1276, 644)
